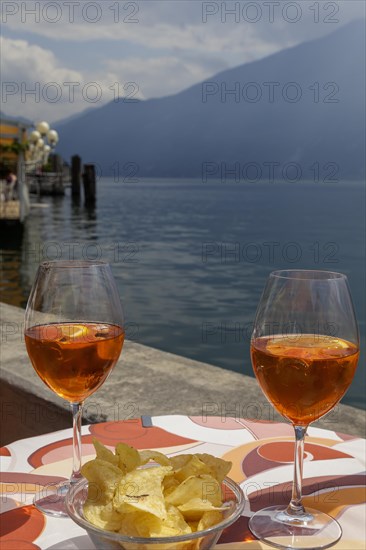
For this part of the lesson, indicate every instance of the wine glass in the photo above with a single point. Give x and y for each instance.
(74, 335)
(304, 351)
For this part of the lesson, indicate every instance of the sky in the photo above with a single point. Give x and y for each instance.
(59, 58)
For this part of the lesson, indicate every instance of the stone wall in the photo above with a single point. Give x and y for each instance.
(145, 381)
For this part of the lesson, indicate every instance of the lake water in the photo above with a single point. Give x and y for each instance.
(191, 258)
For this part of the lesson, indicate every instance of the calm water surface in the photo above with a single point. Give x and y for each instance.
(191, 258)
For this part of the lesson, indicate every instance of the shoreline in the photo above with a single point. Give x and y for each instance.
(145, 381)
(190, 262)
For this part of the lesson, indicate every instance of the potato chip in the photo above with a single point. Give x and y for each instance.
(209, 519)
(103, 516)
(128, 457)
(193, 467)
(178, 461)
(143, 524)
(180, 495)
(142, 490)
(173, 525)
(145, 456)
(193, 525)
(195, 508)
(218, 467)
(103, 478)
(139, 524)
(169, 484)
(104, 453)
(204, 487)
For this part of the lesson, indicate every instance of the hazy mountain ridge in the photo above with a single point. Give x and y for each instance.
(308, 110)
(22, 120)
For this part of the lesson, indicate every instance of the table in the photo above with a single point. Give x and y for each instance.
(261, 453)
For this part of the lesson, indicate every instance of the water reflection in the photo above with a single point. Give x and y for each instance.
(11, 283)
(81, 212)
(190, 261)
(54, 230)
(17, 270)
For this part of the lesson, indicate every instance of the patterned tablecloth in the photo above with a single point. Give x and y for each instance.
(261, 453)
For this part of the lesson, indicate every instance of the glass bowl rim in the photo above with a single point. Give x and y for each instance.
(323, 274)
(59, 264)
(236, 513)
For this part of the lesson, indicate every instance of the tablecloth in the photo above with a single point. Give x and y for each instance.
(261, 453)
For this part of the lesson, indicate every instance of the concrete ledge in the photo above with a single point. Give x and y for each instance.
(145, 381)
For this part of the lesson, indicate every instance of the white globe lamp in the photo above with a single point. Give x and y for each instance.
(43, 128)
(35, 136)
(52, 137)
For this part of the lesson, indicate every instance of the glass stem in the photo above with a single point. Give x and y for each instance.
(296, 508)
(77, 410)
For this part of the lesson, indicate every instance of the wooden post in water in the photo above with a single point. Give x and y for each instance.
(57, 169)
(75, 176)
(90, 187)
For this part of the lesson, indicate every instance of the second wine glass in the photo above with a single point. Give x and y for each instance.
(74, 333)
(304, 351)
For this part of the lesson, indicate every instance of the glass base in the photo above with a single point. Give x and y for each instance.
(51, 500)
(312, 530)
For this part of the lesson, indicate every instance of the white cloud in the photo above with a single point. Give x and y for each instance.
(168, 49)
(27, 67)
(36, 85)
(33, 62)
(159, 76)
(183, 25)
(198, 37)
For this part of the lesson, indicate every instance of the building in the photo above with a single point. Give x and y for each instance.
(13, 137)
(13, 140)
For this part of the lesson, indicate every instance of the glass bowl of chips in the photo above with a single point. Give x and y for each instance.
(233, 502)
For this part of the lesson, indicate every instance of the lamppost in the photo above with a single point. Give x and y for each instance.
(39, 149)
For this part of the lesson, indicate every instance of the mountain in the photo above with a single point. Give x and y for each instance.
(72, 117)
(20, 119)
(303, 105)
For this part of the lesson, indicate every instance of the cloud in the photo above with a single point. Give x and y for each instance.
(60, 91)
(160, 76)
(35, 84)
(32, 62)
(215, 38)
(163, 47)
(183, 25)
